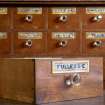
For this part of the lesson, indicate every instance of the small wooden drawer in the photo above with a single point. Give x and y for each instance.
(29, 18)
(29, 43)
(94, 43)
(93, 18)
(5, 43)
(63, 43)
(5, 18)
(68, 79)
(63, 18)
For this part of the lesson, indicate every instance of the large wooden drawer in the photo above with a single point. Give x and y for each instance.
(68, 79)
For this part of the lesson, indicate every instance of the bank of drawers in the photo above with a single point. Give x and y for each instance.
(52, 31)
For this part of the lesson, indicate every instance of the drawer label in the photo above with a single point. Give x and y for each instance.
(29, 10)
(95, 10)
(3, 35)
(95, 35)
(70, 66)
(63, 35)
(63, 10)
(29, 35)
(3, 10)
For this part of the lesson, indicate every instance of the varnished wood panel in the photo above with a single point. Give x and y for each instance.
(17, 79)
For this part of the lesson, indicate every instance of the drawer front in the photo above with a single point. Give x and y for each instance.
(4, 18)
(5, 43)
(94, 43)
(63, 18)
(63, 43)
(66, 79)
(93, 18)
(29, 18)
(29, 42)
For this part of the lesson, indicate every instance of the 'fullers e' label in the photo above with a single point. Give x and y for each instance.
(70, 66)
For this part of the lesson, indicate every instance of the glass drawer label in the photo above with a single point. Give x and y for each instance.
(29, 35)
(63, 35)
(70, 66)
(63, 10)
(95, 10)
(29, 10)
(3, 10)
(3, 35)
(95, 35)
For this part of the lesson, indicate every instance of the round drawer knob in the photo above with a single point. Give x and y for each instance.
(97, 43)
(68, 82)
(63, 18)
(76, 79)
(28, 18)
(97, 18)
(28, 43)
(63, 43)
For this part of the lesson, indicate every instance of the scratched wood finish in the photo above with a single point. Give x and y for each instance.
(17, 79)
(51, 88)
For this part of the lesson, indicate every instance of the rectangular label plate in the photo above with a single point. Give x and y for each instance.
(29, 35)
(95, 10)
(95, 35)
(70, 66)
(63, 35)
(3, 10)
(29, 10)
(63, 10)
(3, 35)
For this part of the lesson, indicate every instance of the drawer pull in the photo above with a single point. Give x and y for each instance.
(68, 82)
(28, 18)
(63, 18)
(28, 43)
(97, 18)
(63, 43)
(97, 43)
(76, 79)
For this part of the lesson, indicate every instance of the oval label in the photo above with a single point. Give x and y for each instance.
(3, 11)
(63, 10)
(95, 10)
(3, 35)
(29, 10)
(95, 35)
(70, 66)
(29, 35)
(63, 35)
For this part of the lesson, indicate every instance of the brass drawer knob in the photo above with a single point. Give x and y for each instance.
(29, 18)
(63, 18)
(97, 43)
(76, 79)
(28, 43)
(68, 82)
(63, 43)
(97, 18)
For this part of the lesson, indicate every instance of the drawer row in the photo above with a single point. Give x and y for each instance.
(52, 18)
(52, 43)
